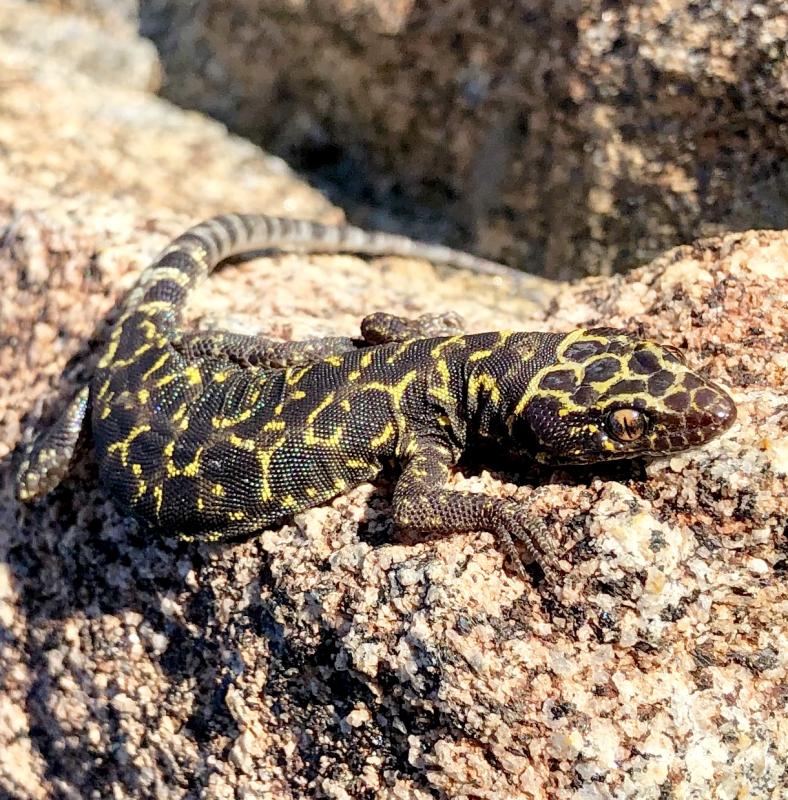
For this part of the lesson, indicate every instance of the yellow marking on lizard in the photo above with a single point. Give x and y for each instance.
(134, 357)
(241, 443)
(311, 437)
(503, 337)
(443, 393)
(486, 382)
(229, 422)
(401, 350)
(384, 436)
(157, 365)
(191, 470)
(158, 496)
(169, 378)
(148, 329)
(264, 457)
(153, 307)
(562, 395)
(123, 446)
(437, 351)
(193, 248)
(109, 354)
(193, 375)
(159, 274)
(294, 374)
(395, 390)
(140, 491)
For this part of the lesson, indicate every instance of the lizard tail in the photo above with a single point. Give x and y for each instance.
(165, 285)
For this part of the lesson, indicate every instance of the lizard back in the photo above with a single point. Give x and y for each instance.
(203, 446)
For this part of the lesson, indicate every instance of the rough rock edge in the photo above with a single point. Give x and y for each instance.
(345, 661)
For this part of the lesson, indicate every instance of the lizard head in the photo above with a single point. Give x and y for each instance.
(608, 395)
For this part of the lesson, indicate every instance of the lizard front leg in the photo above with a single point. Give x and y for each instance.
(265, 353)
(421, 504)
(260, 351)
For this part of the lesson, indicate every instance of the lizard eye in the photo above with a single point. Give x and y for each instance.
(626, 424)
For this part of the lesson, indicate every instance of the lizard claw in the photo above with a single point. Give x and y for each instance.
(510, 521)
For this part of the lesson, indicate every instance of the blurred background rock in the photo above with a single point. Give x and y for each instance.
(569, 138)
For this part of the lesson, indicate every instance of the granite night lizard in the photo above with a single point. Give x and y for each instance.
(218, 435)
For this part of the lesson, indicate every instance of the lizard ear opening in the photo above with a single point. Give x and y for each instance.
(679, 355)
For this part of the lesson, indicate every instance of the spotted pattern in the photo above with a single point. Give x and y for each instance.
(595, 372)
(218, 435)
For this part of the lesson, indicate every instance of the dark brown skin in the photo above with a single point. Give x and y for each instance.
(218, 435)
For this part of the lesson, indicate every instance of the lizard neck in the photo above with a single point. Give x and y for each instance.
(498, 383)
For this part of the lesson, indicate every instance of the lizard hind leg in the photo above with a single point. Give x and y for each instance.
(48, 458)
(260, 351)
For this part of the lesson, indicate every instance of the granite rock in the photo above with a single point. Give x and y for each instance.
(568, 138)
(334, 656)
(110, 52)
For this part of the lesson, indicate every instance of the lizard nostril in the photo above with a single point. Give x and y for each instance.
(723, 411)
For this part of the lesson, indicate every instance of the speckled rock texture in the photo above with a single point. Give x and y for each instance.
(569, 138)
(333, 656)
